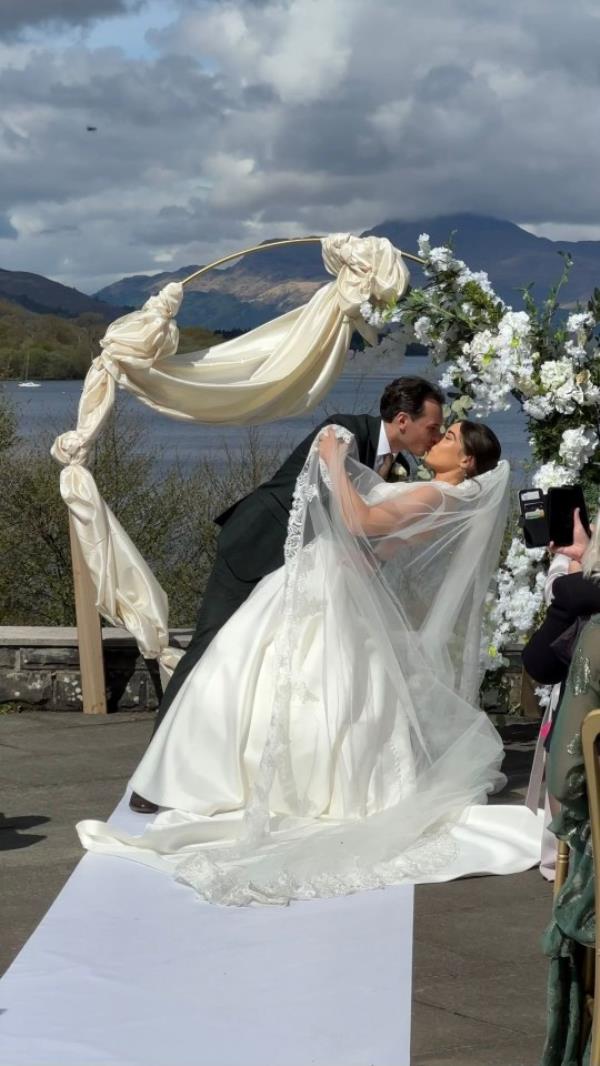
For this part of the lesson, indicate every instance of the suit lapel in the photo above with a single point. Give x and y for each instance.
(373, 430)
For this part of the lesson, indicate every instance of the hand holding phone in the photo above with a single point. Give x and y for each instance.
(563, 502)
(578, 546)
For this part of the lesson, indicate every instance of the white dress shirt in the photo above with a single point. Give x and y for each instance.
(383, 446)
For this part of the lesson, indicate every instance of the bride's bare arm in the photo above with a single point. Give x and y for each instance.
(376, 520)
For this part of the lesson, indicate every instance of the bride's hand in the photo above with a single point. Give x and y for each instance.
(330, 446)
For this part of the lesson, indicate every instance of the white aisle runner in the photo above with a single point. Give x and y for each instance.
(129, 968)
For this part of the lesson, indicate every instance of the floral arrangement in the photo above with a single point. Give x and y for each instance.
(493, 356)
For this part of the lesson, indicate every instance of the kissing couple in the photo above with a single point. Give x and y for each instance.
(321, 734)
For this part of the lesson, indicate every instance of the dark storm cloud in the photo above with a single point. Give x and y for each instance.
(17, 15)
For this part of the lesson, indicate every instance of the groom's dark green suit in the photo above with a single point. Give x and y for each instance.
(252, 539)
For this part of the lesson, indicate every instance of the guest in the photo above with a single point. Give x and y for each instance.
(573, 925)
(571, 597)
(575, 596)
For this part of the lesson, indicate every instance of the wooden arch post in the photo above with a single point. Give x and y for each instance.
(89, 633)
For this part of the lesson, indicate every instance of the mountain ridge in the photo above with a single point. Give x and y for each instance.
(260, 286)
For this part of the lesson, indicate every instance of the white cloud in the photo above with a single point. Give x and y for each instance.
(242, 119)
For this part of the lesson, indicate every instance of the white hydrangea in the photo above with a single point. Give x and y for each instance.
(520, 594)
(552, 475)
(561, 386)
(555, 372)
(538, 407)
(520, 559)
(577, 446)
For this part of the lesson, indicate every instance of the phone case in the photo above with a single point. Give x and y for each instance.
(534, 518)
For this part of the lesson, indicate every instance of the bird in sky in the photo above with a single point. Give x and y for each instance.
(91, 129)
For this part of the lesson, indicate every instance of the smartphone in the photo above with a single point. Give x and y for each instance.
(562, 503)
(534, 518)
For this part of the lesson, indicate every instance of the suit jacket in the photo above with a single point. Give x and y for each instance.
(254, 529)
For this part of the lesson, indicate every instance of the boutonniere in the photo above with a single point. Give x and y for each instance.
(398, 472)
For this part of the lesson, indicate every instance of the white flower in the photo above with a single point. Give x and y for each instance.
(397, 473)
(543, 694)
(564, 391)
(447, 378)
(552, 475)
(424, 246)
(580, 321)
(478, 276)
(575, 352)
(440, 259)
(539, 407)
(422, 330)
(555, 372)
(577, 445)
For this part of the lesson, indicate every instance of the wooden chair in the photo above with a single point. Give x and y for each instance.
(590, 739)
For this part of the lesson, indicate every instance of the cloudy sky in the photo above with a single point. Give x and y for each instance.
(223, 122)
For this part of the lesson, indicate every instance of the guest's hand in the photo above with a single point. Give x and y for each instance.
(576, 550)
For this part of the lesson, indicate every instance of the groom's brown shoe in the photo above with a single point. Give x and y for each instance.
(141, 805)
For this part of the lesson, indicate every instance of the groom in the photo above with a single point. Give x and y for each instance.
(253, 530)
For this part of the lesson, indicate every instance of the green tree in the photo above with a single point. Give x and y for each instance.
(169, 517)
(8, 423)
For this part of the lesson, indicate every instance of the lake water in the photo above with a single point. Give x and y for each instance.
(52, 409)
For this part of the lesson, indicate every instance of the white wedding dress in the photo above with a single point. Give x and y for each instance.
(327, 741)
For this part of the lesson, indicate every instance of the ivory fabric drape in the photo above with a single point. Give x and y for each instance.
(281, 369)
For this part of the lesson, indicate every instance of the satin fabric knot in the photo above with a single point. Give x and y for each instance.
(366, 267)
(142, 337)
(70, 447)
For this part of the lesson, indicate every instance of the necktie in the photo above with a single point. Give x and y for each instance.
(384, 465)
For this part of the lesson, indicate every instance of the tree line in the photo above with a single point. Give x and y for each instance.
(46, 347)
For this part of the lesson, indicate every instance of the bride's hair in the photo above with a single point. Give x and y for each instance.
(480, 444)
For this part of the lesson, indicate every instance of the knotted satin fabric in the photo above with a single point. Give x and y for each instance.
(281, 369)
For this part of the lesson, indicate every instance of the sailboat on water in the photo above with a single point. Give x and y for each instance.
(27, 384)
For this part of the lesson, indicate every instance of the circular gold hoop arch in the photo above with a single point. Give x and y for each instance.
(272, 244)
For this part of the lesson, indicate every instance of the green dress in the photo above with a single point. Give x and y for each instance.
(573, 924)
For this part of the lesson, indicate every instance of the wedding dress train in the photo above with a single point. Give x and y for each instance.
(327, 741)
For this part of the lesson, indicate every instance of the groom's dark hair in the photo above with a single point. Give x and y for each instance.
(408, 395)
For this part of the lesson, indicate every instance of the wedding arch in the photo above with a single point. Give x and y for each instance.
(281, 369)
(491, 355)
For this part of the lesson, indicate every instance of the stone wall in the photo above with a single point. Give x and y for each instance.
(39, 668)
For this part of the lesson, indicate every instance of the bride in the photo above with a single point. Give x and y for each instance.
(328, 739)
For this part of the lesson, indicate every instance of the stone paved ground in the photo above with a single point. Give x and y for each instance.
(479, 977)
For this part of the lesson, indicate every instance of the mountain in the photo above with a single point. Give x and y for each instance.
(37, 293)
(512, 257)
(259, 286)
(256, 288)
